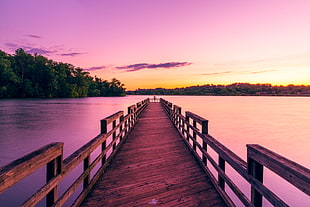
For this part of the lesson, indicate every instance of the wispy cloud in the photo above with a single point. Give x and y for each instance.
(95, 68)
(28, 49)
(72, 54)
(12, 45)
(134, 67)
(34, 36)
(32, 48)
(38, 51)
(142, 66)
(219, 73)
(237, 72)
(262, 71)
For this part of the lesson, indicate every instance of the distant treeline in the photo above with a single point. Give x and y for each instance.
(23, 75)
(236, 89)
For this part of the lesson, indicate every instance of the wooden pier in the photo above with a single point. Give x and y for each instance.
(154, 166)
(154, 155)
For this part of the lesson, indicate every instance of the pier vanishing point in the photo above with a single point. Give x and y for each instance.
(154, 156)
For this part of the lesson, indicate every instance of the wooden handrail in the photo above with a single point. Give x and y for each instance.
(195, 117)
(252, 170)
(113, 117)
(57, 169)
(291, 171)
(26, 165)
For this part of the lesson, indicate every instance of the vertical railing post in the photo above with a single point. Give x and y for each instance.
(187, 126)
(204, 129)
(170, 109)
(138, 110)
(178, 117)
(133, 118)
(53, 168)
(114, 134)
(182, 125)
(221, 181)
(130, 121)
(174, 116)
(126, 124)
(204, 126)
(256, 170)
(135, 111)
(194, 135)
(104, 129)
(86, 180)
(104, 126)
(204, 158)
(129, 118)
(121, 120)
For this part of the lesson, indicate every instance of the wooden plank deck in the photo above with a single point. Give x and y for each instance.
(154, 167)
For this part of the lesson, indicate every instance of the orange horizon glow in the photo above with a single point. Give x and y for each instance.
(184, 77)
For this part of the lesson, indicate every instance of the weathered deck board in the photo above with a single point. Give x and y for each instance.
(154, 167)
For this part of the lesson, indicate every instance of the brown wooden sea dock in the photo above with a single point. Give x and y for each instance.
(154, 155)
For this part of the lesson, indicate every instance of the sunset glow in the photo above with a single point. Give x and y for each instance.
(167, 43)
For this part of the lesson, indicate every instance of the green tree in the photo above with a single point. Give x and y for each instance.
(25, 75)
(8, 79)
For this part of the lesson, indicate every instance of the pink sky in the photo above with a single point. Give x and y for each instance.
(167, 43)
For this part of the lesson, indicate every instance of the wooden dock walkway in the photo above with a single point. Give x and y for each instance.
(154, 166)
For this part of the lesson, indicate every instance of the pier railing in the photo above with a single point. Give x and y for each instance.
(194, 130)
(114, 130)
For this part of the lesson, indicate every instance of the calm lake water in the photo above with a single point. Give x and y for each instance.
(281, 124)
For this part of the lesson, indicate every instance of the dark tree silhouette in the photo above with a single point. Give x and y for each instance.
(236, 89)
(24, 75)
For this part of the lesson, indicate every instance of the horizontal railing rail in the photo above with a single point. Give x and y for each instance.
(57, 169)
(192, 126)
